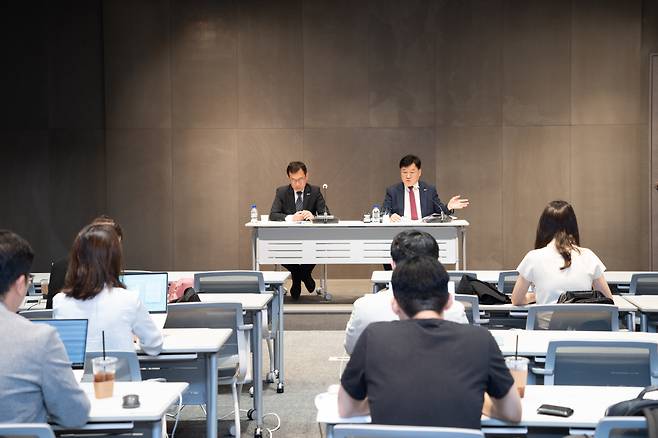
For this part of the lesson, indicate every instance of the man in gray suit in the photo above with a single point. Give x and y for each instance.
(36, 381)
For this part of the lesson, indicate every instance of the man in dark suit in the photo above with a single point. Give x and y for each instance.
(414, 199)
(296, 202)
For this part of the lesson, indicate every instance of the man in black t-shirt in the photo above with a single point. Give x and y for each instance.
(423, 370)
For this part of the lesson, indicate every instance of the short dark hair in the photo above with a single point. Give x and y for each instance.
(420, 283)
(412, 243)
(295, 166)
(106, 220)
(408, 160)
(558, 221)
(96, 260)
(16, 257)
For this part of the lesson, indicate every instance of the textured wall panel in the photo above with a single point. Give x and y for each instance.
(537, 63)
(468, 63)
(469, 163)
(335, 70)
(76, 65)
(270, 64)
(608, 176)
(263, 155)
(139, 194)
(605, 58)
(401, 39)
(536, 170)
(137, 64)
(204, 64)
(205, 198)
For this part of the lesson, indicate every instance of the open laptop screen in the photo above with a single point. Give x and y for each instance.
(152, 288)
(73, 333)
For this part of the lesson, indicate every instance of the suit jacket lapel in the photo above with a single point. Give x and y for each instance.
(400, 206)
(290, 199)
(424, 200)
(307, 198)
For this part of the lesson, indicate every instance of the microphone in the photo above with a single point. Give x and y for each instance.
(325, 217)
(325, 187)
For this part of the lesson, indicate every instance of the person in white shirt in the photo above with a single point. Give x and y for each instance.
(377, 307)
(558, 263)
(92, 291)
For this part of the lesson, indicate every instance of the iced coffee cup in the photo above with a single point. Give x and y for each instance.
(518, 367)
(104, 371)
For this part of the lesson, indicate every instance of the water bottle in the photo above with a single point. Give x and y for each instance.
(254, 213)
(375, 214)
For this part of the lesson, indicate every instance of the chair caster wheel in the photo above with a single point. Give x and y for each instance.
(250, 414)
(279, 388)
(271, 377)
(328, 296)
(251, 392)
(258, 433)
(276, 373)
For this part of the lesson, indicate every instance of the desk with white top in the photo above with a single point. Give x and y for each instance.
(646, 304)
(347, 242)
(192, 344)
(108, 413)
(588, 402)
(255, 304)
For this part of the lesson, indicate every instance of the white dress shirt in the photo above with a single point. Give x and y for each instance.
(407, 204)
(118, 312)
(301, 194)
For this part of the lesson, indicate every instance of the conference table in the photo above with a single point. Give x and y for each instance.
(589, 404)
(347, 242)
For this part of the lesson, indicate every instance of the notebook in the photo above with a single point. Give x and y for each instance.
(152, 288)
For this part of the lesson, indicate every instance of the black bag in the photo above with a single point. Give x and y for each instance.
(638, 407)
(189, 296)
(584, 297)
(487, 294)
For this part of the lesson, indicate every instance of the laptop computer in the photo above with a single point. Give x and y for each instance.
(152, 288)
(73, 333)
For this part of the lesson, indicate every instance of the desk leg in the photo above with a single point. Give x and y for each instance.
(156, 429)
(258, 372)
(630, 321)
(463, 257)
(211, 405)
(644, 324)
(330, 430)
(279, 342)
(254, 249)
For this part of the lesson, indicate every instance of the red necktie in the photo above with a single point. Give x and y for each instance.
(412, 204)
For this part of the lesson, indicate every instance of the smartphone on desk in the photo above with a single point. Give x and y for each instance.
(558, 411)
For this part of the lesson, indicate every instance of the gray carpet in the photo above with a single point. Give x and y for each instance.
(309, 371)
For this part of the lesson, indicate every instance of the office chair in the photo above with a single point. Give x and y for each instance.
(645, 283)
(37, 314)
(472, 307)
(234, 356)
(38, 430)
(241, 282)
(623, 426)
(506, 281)
(591, 317)
(387, 431)
(128, 369)
(600, 363)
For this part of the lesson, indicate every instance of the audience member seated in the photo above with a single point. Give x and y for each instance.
(423, 370)
(377, 307)
(36, 382)
(558, 263)
(59, 267)
(93, 291)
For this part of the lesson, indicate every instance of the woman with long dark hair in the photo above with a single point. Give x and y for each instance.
(92, 291)
(558, 263)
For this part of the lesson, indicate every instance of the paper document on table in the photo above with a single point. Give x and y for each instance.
(327, 406)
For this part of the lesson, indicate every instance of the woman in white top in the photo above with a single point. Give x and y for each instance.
(92, 291)
(558, 264)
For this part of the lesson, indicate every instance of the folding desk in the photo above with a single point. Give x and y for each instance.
(255, 304)
(154, 398)
(647, 304)
(194, 345)
(588, 402)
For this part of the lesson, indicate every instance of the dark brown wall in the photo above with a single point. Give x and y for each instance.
(174, 116)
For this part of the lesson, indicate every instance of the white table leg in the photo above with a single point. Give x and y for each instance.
(211, 404)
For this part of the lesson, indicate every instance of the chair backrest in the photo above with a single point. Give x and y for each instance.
(229, 282)
(645, 283)
(38, 430)
(37, 314)
(127, 366)
(215, 315)
(472, 308)
(590, 317)
(601, 363)
(387, 431)
(506, 281)
(610, 427)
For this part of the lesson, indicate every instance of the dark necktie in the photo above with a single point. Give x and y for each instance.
(412, 204)
(299, 203)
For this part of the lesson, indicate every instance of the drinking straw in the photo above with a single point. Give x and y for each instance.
(103, 335)
(516, 349)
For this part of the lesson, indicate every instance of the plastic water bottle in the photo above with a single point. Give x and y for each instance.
(375, 214)
(254, 213)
